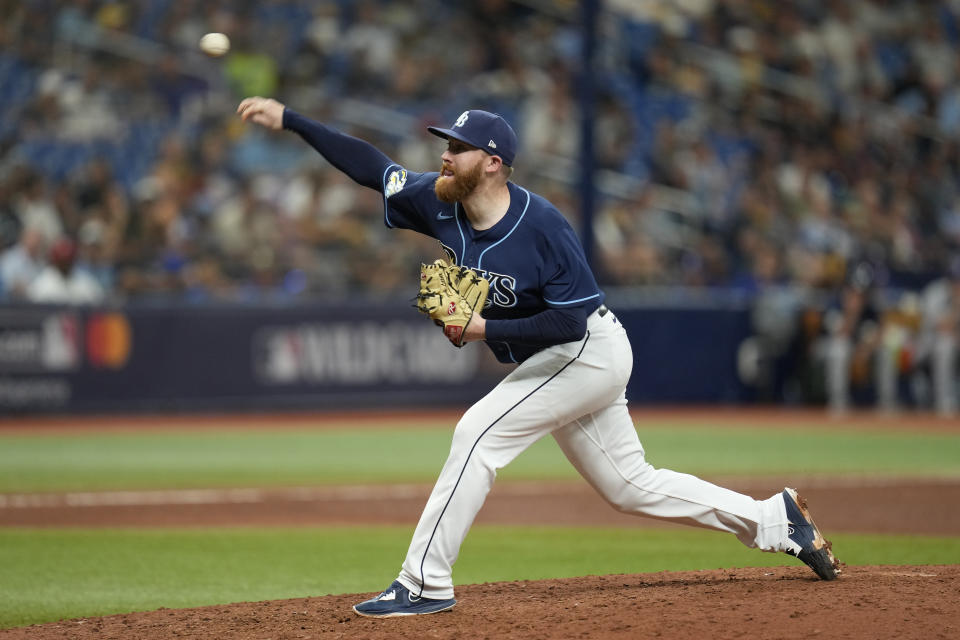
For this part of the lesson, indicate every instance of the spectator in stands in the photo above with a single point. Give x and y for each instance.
(10, 225)
(96, 251)
(785, 124)
(249, 68)
(763, 268)
(21, 264)
(35, 208)
(61, 283)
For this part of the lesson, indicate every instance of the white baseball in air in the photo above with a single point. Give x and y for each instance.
(215, 44)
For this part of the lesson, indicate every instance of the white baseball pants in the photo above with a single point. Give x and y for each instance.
(576, 391)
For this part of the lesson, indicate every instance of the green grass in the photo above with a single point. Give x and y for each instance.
(48, 575)
(283, 457)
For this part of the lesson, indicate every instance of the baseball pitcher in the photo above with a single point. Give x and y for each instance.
(517, 279)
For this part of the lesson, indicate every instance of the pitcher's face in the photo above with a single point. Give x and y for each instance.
(460, 172)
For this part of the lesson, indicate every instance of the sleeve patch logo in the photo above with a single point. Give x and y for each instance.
(395, 182)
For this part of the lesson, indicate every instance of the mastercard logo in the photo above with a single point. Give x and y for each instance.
(108, 340)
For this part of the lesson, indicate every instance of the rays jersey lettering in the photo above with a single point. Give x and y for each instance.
(531, 257)
(502, 289)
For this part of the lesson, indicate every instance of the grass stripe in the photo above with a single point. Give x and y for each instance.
(47, 575)
(252, 458)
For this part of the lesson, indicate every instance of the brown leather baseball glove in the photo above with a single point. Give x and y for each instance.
(450, 294)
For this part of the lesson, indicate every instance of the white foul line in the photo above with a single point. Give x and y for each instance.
(382, 492)
(207, 496)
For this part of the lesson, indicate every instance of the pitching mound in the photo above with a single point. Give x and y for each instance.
(789, 602)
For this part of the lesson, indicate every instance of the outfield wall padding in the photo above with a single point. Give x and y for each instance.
(336, 356)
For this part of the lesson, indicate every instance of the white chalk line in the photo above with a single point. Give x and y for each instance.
(168, 497)
(357, 493)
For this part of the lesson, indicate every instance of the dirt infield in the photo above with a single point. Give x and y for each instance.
(445, 418)
(786, 602)
(905, 603)
(861, 505)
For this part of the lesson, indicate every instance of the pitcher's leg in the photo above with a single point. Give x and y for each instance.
(489, 435)
(543, 393)
(605, 449)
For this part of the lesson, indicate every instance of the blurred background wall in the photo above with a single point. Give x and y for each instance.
(776, 217)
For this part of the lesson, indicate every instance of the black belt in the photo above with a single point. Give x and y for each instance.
(602, 310)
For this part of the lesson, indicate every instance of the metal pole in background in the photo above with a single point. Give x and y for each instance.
(589, 9)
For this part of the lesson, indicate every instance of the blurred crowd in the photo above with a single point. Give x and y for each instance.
(749, 146)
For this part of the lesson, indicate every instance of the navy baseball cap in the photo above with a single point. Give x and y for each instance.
(483, 130)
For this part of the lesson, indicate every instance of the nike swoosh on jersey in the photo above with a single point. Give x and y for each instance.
(440, 216)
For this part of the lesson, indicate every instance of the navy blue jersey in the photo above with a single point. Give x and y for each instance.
(541, 289)
(531, 257)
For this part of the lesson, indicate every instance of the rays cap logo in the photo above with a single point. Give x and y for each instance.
(483, 130)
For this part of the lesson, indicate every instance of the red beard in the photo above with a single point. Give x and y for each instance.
(458, 186)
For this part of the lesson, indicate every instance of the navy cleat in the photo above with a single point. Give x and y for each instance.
(806, 542)
(396, 600)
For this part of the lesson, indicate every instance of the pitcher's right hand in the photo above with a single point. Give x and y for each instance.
(266, 112)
